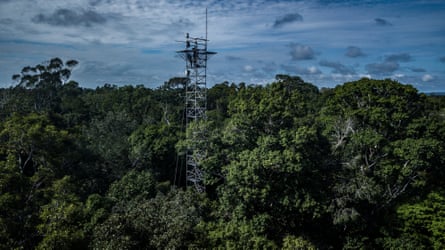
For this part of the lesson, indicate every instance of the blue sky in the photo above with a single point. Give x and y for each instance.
(134, 41)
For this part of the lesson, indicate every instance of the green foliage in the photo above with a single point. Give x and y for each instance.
(271, 168)
(164, 222)
(167, 220)
(43, 82)
(114, 233)
(424, 222)
(36, 152)
(153, 147)
(62, 219)
(52, 73)
(218, 99)
(16, 206)
(380, 150)
(238, 234)
(292, 242)
(383, 105)
(37, 143)
(133, 186)
(287, 166)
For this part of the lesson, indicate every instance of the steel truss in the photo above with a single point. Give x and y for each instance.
(195, 55)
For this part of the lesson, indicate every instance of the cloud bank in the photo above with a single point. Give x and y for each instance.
(301, 52)
(337, 67)
(382, 68)
(382, 22)
(401, 57)
(354, 52)
(68, 17)
(286, 19)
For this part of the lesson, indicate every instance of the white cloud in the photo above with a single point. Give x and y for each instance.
(305, 71)
(427, 78)
(365, 76)
(248, 68)
(313, 70)
(301, 52)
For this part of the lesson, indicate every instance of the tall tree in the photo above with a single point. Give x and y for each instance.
(52, 73)
(273, 167)
(34, 152)
(378, 154)
(43, 81)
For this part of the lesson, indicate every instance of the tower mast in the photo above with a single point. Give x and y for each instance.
(195, 56)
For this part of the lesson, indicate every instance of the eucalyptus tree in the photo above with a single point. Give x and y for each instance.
(44, 81)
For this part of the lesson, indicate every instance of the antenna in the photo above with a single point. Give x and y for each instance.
(195, 56)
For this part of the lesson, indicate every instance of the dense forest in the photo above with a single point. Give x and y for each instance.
(288, 166)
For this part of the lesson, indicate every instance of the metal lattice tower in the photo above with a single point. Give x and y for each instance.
(195, 55)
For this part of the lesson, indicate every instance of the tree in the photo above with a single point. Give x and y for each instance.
(153, 147)
(237, 233)
(286, 166)
(218, 99)
(33, 153)
(19, 202)
(419, 225)
(383, 105)
(44, 80)
(292, 242)
(107, 137)
(273, 167)
(166, 221)
(280, 178)
(72, 106)
(373, 126)
(52, 73)
(37, 144)
(63, 219)
(133, 186)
